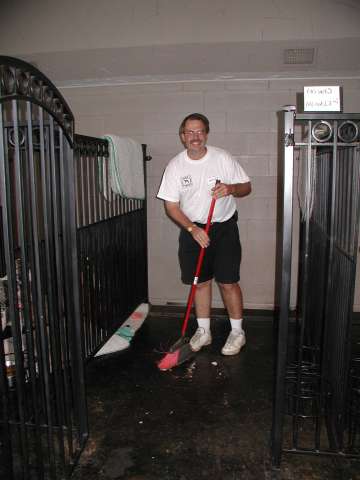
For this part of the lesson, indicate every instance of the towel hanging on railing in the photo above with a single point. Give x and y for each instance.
(126, 167)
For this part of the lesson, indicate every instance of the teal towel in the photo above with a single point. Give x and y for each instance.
(126, 167)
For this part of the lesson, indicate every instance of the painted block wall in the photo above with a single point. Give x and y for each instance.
(243, 119)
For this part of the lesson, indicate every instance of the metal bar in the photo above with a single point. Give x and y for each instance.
(338, 192)
(321, 273)
(82, 183)
(88, 189)
(18, 297)
(107, 190)
(328, 116)
(143, 206)
(349, 204)
(6, 464)
(305, 279)
(101, 194)
(328, 309)
(35, 276)
(78, 355)
(61, 261)
(329, 144)
(284, 287)
(45, 353)
(309, 451)
(56, 290)
(95, 187)
(356, 194)
(77, 172)
(352, 249)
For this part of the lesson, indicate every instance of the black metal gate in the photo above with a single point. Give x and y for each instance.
(73, 267)
(112, 245)
(317, 377)
(43, 419)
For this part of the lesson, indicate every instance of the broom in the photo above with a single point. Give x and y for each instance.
(181, 351)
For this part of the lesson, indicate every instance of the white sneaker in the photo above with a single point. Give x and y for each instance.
(234, 343)
(200, 339)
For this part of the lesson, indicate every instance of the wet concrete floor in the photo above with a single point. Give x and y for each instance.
(209, 418)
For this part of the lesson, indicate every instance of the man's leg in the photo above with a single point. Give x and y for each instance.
(233, 300)
(203, 296)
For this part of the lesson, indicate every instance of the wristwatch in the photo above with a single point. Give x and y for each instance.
(190, 229)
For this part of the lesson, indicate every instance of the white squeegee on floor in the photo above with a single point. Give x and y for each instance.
(124, 334)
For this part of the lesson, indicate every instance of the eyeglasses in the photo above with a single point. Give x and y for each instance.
(192, 133)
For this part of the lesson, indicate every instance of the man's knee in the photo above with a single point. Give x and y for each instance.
(229, 287)
(203, 285)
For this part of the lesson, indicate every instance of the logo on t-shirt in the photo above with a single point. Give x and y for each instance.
(211, 181)
(186, 181)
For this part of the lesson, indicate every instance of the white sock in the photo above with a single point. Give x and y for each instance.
(204, 323)
(236, 324)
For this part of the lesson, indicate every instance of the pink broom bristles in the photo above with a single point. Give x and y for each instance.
(170, 360)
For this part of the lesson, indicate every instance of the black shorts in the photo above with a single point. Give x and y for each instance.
(222, 257)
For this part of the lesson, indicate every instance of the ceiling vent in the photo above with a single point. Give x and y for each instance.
(299, 56)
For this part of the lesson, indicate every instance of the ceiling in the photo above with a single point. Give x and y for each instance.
(217, 61)
(112, 42)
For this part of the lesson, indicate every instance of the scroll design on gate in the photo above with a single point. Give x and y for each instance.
(19, 80)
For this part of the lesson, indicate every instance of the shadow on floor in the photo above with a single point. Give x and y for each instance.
(207, 419)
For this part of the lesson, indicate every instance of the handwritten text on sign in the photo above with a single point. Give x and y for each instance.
(322, 99)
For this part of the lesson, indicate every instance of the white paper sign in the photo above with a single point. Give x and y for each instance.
(322, 99)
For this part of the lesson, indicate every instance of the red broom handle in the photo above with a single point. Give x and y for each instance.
(198, 268)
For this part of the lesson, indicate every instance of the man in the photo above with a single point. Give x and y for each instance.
(187, 187)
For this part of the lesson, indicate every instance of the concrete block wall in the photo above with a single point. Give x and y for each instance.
(243, 120)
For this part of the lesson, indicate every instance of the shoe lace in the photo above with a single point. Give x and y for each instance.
(198, 334)
(231, 338)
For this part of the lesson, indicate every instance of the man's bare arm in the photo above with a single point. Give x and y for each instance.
(237, 190)
(174, 211)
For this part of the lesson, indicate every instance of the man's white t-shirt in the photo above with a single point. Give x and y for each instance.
(189, 182)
